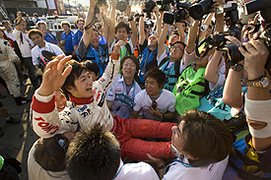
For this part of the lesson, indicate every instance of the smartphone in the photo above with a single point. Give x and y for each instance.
(154, 105)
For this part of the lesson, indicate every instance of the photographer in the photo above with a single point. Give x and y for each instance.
(147, 44)
(89, 47)
(257, 106)
(192, 85)
(174, 65)
(121, 32)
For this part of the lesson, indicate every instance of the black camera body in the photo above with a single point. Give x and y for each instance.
(265, 7)
(178, 15)
(198, 10)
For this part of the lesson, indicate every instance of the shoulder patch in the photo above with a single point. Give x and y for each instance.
(5, 42)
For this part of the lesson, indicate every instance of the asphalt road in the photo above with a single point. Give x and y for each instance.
(18, 138)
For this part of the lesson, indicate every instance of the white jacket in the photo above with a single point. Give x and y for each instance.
(47, 121)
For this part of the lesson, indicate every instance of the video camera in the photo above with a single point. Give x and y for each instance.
(180, 14)
(149, 5)
(198, 10)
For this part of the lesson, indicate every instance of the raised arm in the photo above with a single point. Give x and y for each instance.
(232, 93)
(142, 35)
(161, 41)
(133, 26)
(257, 106)
(181, 29)
(111, 35)
(112, 68)
(192, 35)
(89, 21)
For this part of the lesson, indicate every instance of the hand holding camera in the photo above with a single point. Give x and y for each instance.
(255, 58)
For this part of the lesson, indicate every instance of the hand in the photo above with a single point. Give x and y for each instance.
(142, 6)
(62, 42)
(233, 40)
(155, 9)
(128, 11)
(113, 3)
(155, 112)
(157, 161)
(117, 47)
(256, 54)
(216, 4)
(54, 77)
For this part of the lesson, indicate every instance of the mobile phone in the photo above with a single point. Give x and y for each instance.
(154, 105)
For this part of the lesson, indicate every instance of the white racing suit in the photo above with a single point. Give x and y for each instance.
(7, 68)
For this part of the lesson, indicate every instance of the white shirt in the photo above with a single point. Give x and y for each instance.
(123, 102)
(36, 51)
(136, 171)
(178, 171)
(165, 103)
(25, 44)
(10, 35)
(35, 171)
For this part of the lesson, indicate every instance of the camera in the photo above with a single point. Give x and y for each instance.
(149, 5)
(265, 7)
(122, 5)
(198, 10)
(178, 15)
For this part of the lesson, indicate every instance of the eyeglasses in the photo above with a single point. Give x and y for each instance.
(177, 48)
(63, 143)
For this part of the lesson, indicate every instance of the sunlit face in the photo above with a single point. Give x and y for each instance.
(152, 41)
(152, 86)
(60, 101)
(121, 33)
(66, 28)
(43, 28)
(83, 86)
(80, 25)
(94, 40)
(176, 138)
(128, 69)
(176, 51)
(37, 39)
(23, 25)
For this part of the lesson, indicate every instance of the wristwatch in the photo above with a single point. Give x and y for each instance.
(262, 82)
(162, 117)
(237, 67)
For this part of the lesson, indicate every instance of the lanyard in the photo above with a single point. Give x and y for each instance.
(146, 60)
(118, 172)
(125, 91)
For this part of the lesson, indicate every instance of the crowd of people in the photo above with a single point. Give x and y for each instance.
(131, 96)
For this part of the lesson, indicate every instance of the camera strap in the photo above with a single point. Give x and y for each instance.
(197, 44)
